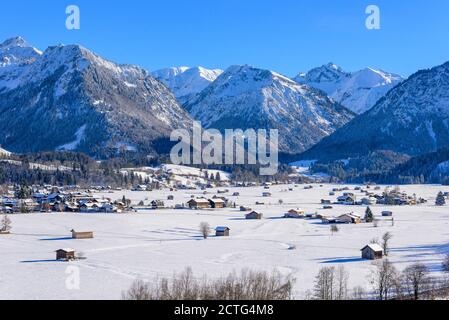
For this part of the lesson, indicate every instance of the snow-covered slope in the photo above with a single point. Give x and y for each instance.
(245, 97)
(413, 118)
(185, 82)
(17, 51)
(358, 91)
(70, 98)
(15, 55)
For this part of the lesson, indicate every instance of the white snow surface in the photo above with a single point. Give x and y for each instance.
(157, 243)
(186, 81)
(79, 136)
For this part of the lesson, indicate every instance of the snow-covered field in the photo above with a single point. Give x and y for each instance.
(158, 243)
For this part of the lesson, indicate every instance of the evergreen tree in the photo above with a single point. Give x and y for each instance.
(441, 200)
(369, 216)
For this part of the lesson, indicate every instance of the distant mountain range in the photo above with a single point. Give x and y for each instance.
(186, 82)
(413, 119)
(68, 98)
(246, 97)
(358, 91)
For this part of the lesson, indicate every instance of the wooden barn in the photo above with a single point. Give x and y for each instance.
(217, 203)
(65, 254)
(199, 204)
(372, 252)
(222, 231)
(295, 214)
(82, 235)
(350, 218)
(157, 204)
(254, 216)
(266, 194)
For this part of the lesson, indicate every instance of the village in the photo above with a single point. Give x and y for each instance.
(116, 236)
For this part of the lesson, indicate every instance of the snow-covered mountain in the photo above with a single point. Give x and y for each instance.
(186, 82)
(69, 98)
(413, 118)
(15, 55)
(245, 97)
(16, 51)
(358, 91)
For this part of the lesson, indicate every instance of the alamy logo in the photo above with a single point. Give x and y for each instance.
(373, 19)
(72, 281)
(236, 147)
(73, 21)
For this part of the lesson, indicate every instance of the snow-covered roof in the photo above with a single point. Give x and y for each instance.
(200, 200)
(222, 229)
(375, 247)
(217, 200)
(67, 250)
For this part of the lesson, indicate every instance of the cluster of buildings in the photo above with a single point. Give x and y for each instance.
(56, 199)
(392, 197)
(203, 203)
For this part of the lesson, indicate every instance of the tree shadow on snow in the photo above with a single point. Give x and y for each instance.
(343, 260)
(41, 261)
(57, 239)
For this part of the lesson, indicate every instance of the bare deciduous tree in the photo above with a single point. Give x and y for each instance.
(334, 229)
(139, 291)
(325, 284)
(383, 279)
(5, 224)
(249, 285)
(205, 229)
(342, 278)
(386, 242)
(416, 278)
(358, 293)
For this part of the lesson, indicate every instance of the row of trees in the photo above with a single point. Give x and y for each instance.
(387, 283)
(248, 285)
(331, 283)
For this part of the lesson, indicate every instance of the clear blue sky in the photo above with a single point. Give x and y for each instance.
(283, 35)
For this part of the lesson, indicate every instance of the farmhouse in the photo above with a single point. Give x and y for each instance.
(89, 208)
(254, 216)
(108, 208)
(222, 231)
(198, 204)
(372, 252)
(266, 194)
(82, 235)
(65, 254)
(350, 218)
(217, 203)
(347, 200)
(328, 220)
(295, 214)
(369, 201)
